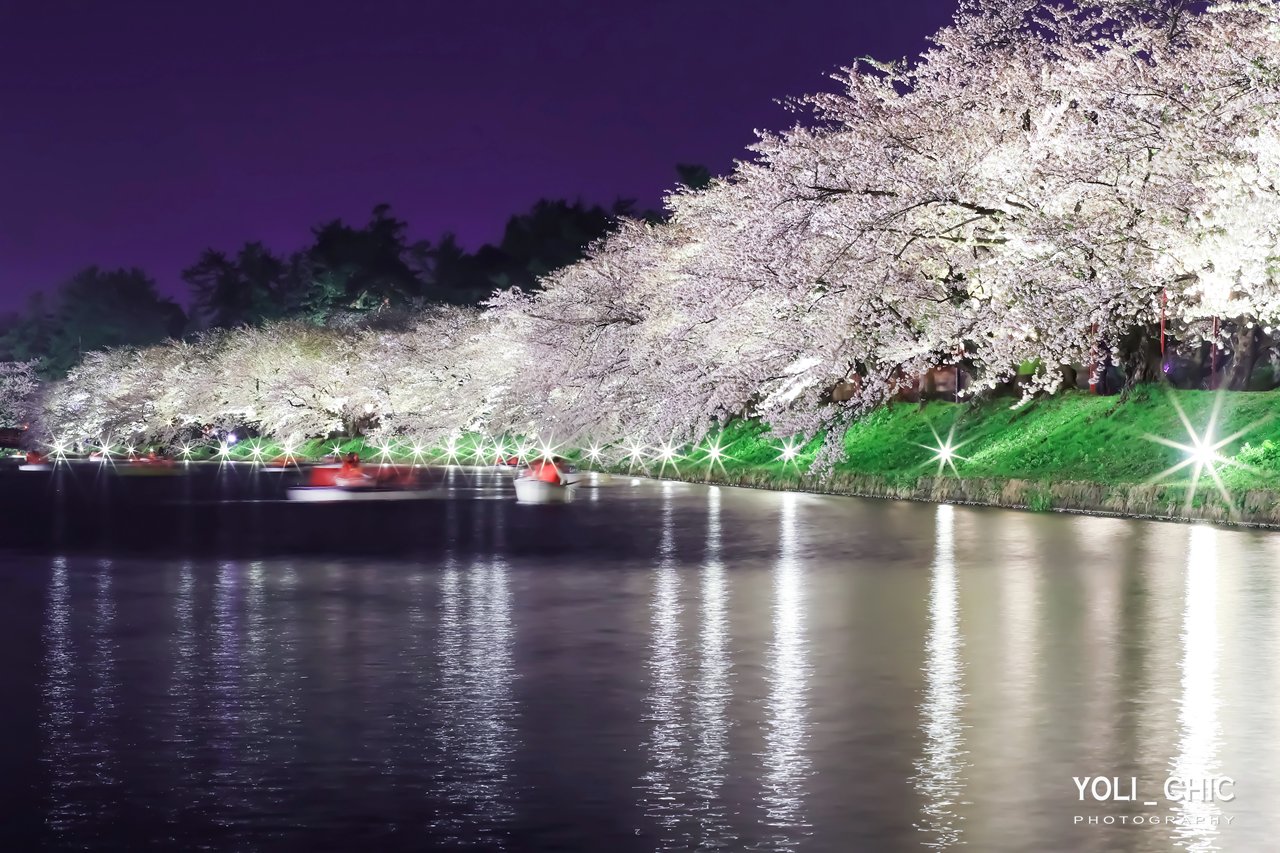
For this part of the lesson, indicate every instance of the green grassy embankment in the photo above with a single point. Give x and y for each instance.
(1068, 451)
(1072, 436)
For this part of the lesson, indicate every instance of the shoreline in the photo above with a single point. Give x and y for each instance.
(1259, 508)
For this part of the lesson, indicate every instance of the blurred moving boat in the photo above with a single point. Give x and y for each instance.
(545, 481)
(349, 481)
(531, 491)
(151, 465)
(509, 463)
(36, 461)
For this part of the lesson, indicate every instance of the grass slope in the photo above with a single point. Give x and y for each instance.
(1069, 436)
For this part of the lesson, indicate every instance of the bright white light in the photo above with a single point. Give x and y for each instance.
(715, 455)
(944, 452)
(790, 450)
(451, 450)
(635, 454)
(549, 449)
(1202, 451)
(231, 438)
(668, 453)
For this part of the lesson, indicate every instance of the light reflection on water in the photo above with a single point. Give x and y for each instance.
(1197, 756)
(59, 698)
(939, 770)
(476, 736)
(721, 688)
(786, 761)
(666, 794)
(714, 690)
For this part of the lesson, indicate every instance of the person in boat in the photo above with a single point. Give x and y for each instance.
(350, 466)
(547, 471)
(352, 474)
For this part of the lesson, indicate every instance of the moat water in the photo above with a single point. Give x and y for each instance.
(657, 666)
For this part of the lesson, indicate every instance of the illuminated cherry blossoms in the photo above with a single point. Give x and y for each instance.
(1042, 184)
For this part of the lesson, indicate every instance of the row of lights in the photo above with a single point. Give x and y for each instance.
(1202, 451)
(667, 453)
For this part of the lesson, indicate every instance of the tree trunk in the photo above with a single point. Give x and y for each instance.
(1144, 362)
(1236, 376)
(1069, 378)
(1195, 367)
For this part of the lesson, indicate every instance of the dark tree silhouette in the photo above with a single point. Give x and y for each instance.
(244, 291)
(361, 269)
(693, 176)
(553, 234)
(94, 310)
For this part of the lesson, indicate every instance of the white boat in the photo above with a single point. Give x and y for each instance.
(531, 491)
(35, 466)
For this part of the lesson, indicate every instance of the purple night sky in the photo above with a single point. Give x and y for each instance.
(136, 134)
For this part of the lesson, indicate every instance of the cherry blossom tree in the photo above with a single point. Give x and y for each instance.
(1045, 185)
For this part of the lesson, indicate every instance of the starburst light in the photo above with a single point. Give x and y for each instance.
(635, 453)
(451, 450)
(668, 454)
(944, 452)
(1202, 451)
(790, 450)
(716, 456)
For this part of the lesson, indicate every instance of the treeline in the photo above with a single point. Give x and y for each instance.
(346, 273)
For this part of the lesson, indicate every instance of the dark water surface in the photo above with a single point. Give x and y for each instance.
(658, 666)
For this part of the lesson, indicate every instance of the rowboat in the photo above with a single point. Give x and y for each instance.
(531, 491)
(334, 482)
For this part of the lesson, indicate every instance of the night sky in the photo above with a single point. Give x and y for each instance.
(136, 134)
